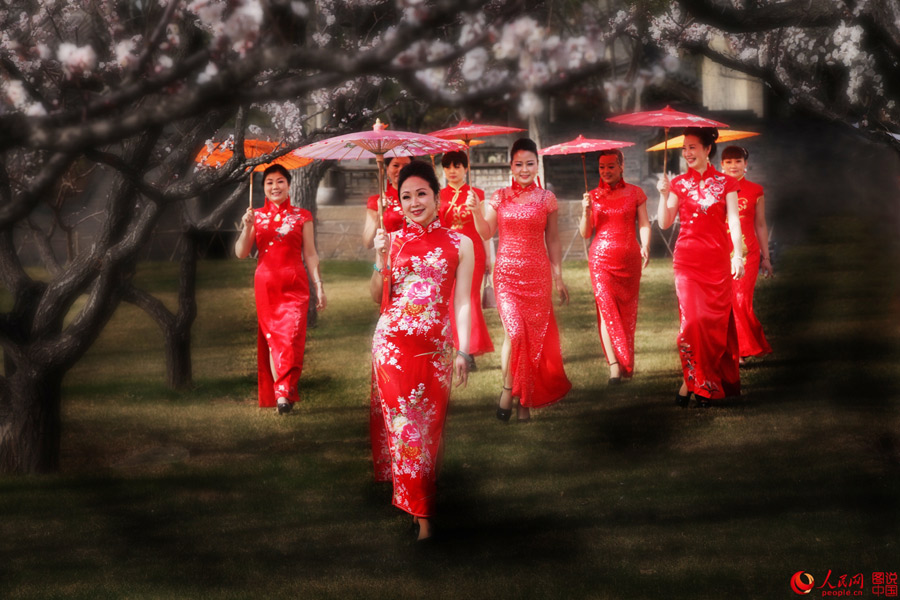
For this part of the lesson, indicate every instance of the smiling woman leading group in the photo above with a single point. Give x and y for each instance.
(427, 273)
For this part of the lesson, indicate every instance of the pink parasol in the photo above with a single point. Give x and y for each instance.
(582, 145)
(377, 143)
(666, 118)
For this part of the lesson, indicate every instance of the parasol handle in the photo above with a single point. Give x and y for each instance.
(666, 152)
(584, 243)
(379, 159)
(250, 202)
(584, 170)
(469, 162)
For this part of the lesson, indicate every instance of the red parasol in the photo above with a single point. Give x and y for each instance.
(467, 131)
(582, 145)
(377, 143)
(216, 155)
(666, 118)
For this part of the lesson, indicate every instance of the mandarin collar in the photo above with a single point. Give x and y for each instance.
(517, 187)
(620, 184)
(272, 207)
(416, 230)
(697, 176)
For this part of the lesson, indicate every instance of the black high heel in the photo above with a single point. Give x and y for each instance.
(682, 401)
(504, 413)
(614, 380)
(703, 402)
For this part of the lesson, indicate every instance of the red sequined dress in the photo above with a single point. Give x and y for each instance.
(455, 215)
(523, 285)
(751, 339)
(615, 265)
(281, 288)
(412, 356)
(381, 460)
(707, 339)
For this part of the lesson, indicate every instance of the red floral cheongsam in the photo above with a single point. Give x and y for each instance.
(456, 215)
(615, 265)
(523, 284)
(393, 221)
(281, 287)
(707, 339)
(412, 355)
(751, 339)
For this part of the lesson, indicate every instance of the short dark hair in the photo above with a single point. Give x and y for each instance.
(418, 168)
(456, 157)
(526, 144)
(276, 168)
(706, 135)
(620, 158)
(735, 152)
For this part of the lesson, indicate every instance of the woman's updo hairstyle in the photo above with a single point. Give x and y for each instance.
(735, 153)
(526, 144)
(417, 168)
(707, 137)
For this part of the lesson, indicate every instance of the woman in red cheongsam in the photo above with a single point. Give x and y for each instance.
(609, 212)
(426, 268)
(393, 215)
(528, 266)
(707, 340)
(284, 239)
(755, 231)
(393, 221)
(456, 215)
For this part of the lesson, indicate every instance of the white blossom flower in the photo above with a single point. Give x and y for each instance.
(530, 105)
(76, 59)
(474, 64)
(207, 75)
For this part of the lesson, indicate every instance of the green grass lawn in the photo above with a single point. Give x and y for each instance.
(612, 493)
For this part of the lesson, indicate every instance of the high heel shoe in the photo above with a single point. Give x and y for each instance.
(682, 401)
(504, 413)
(703, 402)
(614, 380)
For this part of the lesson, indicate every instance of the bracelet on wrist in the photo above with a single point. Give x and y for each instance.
(376, 268)
(470, 360)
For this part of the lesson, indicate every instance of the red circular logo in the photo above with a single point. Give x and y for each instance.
(802, 583)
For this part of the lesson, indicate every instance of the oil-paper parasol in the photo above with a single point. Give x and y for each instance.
(376, 143)
(467, 131)
(666, 118)
(582, 145)
(725, 135)
(216, 155)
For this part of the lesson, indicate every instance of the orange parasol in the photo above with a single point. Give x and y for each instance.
(725, 135)
(218, 154)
